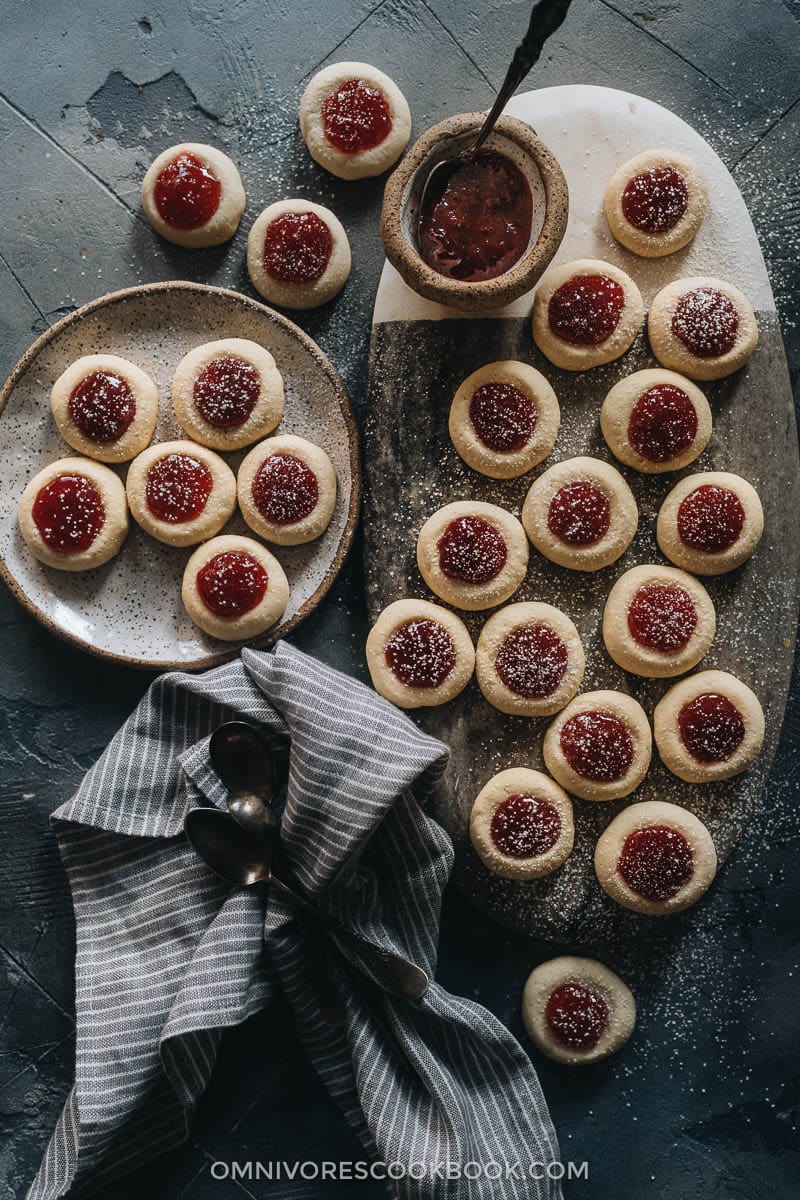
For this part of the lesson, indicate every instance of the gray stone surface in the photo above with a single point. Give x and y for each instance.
(705, 1100)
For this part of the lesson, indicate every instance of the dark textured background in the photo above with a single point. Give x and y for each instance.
(705, 1100)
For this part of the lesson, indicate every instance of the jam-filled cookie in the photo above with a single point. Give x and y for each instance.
(193, 196)
(504, 419)
(576, 1010)
(655, 858)
(655, 203)
(658, 622)
(227, 394)
(105, 407)
(287, 490)
(710, 726)
(702, 327)
(521, 824)
(586, 313)
(419, 654)
(354, 120)
(298, 254)
(581, 514)
(234, 589)
(529, 659)
(599, 746)
(656, 421)
(472, 555)
(73, 514)
(710, 522)
(180, 493)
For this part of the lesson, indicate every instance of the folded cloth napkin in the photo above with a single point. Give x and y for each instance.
(168, 955)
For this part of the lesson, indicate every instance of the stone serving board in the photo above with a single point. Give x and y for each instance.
(421, 351)
(130, 609)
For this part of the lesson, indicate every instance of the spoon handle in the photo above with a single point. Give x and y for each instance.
(545, 19)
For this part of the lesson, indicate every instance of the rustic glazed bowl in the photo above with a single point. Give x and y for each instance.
(403, 192)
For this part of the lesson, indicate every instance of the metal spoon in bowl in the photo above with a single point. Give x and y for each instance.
(545, 19)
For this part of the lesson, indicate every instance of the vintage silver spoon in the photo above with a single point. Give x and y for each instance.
(545, 19)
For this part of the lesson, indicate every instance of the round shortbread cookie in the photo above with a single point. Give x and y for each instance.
(710, 522)
(180, 493)
(193, 196)
(287, 490)
(529, 659)
(655, 858)
(298, 254)
(585, 313)
(521, 824)
(504, 419)
(73, 514)
(105, 407)
(354, 120)
(576, 1010)
(655, 202)
(419, 654)
(233, 588)
(581, 514)
(599, 746)
(472, 555)
(227, 394)
(658, 621)
(656, 421)
(702, 327)
(709, 726)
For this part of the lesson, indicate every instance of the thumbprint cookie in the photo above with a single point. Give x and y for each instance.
(710, 522)
(73, 515)
(656, 421)
(658, 621)
(227, 394)
(581, 514)
(710, 726)
(419, 654)
(287, 490)
(521, 825)
(472, 555)
(298, 254)
(576, 1010)
(354, 120)
(529, 659)
(599, 746)
(504, 419)
(702, 327)
(105, 407)
(193, 196)
(586, 313)
(655, 203)
(180, 493)
(655, 858)
(233, 588)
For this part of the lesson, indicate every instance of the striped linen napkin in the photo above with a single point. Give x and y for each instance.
(168, 956)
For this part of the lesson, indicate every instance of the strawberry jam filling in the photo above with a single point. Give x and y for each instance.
(187, 192)
(356, 117)
(525, 826)
(576, 1015)
(421, 654)
(503, 417)
(656, 862)
(662, 424)
(532, 661)
(710, 519)
(597, 745)
(706, 321)
(232, 583)
(711, 727)
(472, 550)
(655, 200)
(285, 489)
(586, 309)
(226, 391)
(178, 487)
(662, 617)
(69, 513)
(297, 248)
(579, 513)
(102, 406)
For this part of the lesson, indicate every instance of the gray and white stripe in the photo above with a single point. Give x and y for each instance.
(168, 956)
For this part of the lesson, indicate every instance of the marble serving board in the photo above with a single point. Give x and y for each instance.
(421, 351)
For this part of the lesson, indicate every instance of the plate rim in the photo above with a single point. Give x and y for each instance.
(33, 351)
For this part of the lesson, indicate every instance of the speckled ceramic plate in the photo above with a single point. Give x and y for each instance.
(131, 609)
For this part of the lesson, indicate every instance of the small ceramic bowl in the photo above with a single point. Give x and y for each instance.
(403, 192)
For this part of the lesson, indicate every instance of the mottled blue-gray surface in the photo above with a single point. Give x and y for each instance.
(705, 1100)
